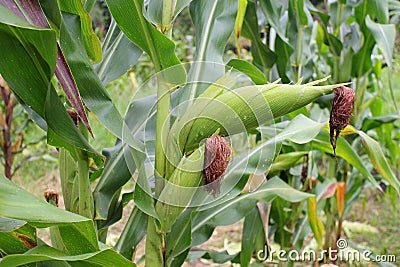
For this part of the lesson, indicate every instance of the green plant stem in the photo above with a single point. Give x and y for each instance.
(361, 85)
(338, 19)
(331, 168)
(155, 243)
(329, 225)
(85, 194)
(336, 70)
(85, 202)
(299, 50)
(167, 16)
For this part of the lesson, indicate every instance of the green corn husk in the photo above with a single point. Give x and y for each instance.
(180, 189)
(242, 109)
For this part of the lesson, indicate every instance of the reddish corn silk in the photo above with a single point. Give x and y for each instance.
(342, 107)
(216, 158)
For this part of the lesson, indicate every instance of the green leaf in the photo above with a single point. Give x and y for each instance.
(115, 174)
(286, 161)
(300, 13)
(284, 50)
(119, 55)
(34, 14)
(263, 56)
(250, 70)
(252, 229)
(143, 195)
(379, 161)
(20, 68)
(180, 237)
(214, 22)
(375, 122)
(153, 10)
(129, 17)
(132, 234)
(16, 236)
(121, 164)
(106, 257)
(380, 9)
(273, 11)
(78, 232)
(33, 53)
(219, 257)
(238, 207)
(8, 225)
(92, 91)
(384, 35)
(345, 151)
(92, 43)
(62, 131)
(259, 159)
(242, 5)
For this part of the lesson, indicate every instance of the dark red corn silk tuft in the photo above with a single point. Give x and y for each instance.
(342, 107)
(216, 158)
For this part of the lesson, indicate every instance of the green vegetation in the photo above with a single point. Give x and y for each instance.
(190, 115)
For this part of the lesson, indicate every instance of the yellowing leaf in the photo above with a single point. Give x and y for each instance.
(315, 223)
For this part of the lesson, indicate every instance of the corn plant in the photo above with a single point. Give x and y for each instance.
(211, 128)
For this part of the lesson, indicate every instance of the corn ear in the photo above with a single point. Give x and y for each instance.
(242, 109)
(174, 151)
(180, 189)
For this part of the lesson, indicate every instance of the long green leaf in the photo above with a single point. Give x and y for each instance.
(384, 35)
(78, 232)
(106, 257)
(214, 21)
(262, 55)
(345, 151)
(132, 234)
(237, 208)
(250, 70)
(252, 230)
(93, 92)
(16, 236)
(119, 55)
(92, 43)
(153, 11)
(259, 159)
(379, 161)
(32, 12)
(28, 67)
(129, 17)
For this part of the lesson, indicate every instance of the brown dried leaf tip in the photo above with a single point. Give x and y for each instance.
(216, 158)
(342, 107)
(51, 197)
(74, 116)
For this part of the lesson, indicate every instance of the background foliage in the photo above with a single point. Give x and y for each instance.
(291, 187)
